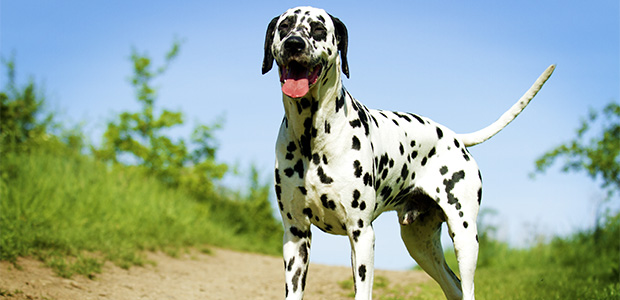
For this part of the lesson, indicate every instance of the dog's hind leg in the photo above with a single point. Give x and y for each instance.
(465, 237)
(422, 238)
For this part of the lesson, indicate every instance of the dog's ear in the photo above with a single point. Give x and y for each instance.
(268, 58)
(343, 41)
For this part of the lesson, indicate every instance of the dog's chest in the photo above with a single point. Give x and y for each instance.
(317, 189)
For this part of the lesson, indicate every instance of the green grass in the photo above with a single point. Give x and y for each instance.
(75, 213)
(582, 266)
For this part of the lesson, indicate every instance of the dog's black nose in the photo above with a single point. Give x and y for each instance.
(294, 44)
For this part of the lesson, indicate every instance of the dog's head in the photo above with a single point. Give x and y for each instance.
(305, 42)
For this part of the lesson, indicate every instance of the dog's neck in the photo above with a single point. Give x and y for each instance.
(321, 112)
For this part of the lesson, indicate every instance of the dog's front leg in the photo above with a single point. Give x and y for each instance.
(363, 260)
(296, 252)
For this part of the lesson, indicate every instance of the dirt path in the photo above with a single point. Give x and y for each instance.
(224, 274)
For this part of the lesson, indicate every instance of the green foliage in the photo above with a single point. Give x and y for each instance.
(75, 211)
(21, 115)
(140, 136)
(598, 156)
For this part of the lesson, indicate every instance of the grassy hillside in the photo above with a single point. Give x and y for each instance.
(74, 213)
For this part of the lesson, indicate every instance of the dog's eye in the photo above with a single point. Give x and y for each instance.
(283, 26)
(318, 31)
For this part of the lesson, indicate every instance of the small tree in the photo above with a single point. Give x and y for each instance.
(599, 156)
(21, 111)
(139, 135)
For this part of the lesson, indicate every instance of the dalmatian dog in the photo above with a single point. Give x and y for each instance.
(339, 165)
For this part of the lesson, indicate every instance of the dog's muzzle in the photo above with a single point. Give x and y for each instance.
(298, 73)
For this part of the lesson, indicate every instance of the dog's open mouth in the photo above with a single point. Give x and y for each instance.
(297, 78)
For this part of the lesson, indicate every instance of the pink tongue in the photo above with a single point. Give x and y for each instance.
(295, 88)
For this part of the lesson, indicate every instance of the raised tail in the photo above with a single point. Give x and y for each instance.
(475, 138)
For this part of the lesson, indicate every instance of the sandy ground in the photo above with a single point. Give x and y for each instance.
(223, 274)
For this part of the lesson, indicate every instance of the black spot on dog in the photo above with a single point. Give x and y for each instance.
(432, 152)
(302, 190)
(303, 253)
(449, 184)
(479, 195)
(324, 178)
(278, 191)
(299, 233)
(360, 223)
(443, 170)
(401, 149)
(316, 159)
(291, 147)
(386, 191)
(303, 279)
(290, 264)
(314, 107)
(439, 133)
(339, 103)
(362, 272)
(404, 173)
(308, 212)
(402, 116)
(417, 118)
(357, 166)
(296, 279)
(356, 235)
(299, 168)
(277, 174)
(304, 102)
(328, 203)
(367, 179)
(356, 197)
(355, 145)
(465, 154)
(465, 224)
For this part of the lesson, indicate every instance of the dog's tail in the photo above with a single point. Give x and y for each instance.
(475, 138)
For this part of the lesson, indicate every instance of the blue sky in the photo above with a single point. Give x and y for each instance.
(460, 63)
